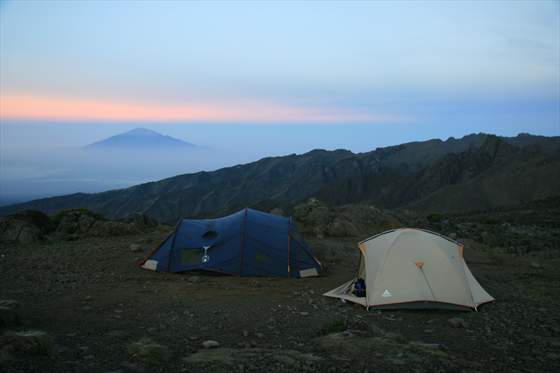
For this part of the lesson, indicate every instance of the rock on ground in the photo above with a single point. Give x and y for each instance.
(13, 230)
(148, 350)
(390, 346)
(24, 343)
(210, 344)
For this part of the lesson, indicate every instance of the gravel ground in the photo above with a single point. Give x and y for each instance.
(104, 314)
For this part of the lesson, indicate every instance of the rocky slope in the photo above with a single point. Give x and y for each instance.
(477, 171)
(494, 174)
(29, 227)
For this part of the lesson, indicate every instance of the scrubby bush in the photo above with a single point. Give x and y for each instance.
(76, 212)
(37, 219)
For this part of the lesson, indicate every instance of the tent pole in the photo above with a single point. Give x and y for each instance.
(428, 283)
(173, 245)
(244, 223)
(154, 250)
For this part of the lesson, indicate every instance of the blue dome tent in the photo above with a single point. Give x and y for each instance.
(246, 243)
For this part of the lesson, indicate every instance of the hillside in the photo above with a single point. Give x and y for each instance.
(476, 171)
(519, 176)
(496, 173)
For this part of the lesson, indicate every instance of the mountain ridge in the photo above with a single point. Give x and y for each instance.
(392, 177)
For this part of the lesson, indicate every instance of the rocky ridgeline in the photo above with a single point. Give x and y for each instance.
(31, 226)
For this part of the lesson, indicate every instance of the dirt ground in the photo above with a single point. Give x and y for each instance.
(95, 303)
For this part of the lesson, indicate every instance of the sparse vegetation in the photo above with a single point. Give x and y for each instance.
(76, 212)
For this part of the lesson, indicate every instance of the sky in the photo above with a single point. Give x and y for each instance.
(273, 78)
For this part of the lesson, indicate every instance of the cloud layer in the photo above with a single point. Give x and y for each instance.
(273, 61)
(57, 108)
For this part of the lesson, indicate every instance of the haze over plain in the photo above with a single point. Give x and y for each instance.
(252, 80)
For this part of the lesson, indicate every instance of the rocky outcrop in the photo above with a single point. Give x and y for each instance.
(73, 224)
(315, 217)
(33, 226)
(149, 351)
(13, 230)
(75, 221)
(392, 348)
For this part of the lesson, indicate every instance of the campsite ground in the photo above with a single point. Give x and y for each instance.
(95, 303)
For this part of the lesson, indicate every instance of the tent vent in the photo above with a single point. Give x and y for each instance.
(210, 235)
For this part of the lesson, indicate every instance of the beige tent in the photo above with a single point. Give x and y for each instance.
(413, 268)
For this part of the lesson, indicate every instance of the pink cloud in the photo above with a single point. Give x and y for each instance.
(246, 111)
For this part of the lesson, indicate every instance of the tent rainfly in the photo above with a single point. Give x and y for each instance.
(246, 243)
(413, 268)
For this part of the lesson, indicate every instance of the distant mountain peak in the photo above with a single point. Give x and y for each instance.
(478, 171)
(143, 131)
(141, 138)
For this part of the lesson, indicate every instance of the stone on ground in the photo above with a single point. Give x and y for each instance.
(148, 350)
(25, 343)
(210, 344)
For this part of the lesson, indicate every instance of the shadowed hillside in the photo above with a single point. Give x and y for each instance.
(477, 171)
(495, 174)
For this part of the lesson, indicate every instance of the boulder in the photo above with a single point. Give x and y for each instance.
(13, 230)
(147, 350)
(321, 220)
(194, 279)
(536, 265)
(77, 221)
(210, 344)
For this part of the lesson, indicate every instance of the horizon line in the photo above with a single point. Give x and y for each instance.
(34, 107)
